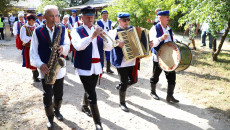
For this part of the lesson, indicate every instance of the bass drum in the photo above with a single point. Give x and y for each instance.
(174, 56)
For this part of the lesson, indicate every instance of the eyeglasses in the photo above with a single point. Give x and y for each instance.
(124, 20)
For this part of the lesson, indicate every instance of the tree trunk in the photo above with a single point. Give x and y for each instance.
(216, 53)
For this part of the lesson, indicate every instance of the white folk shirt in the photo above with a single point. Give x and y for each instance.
(156, 41)
(73, 20)
(40, 22)
(24, 38)
(15, 27)
(35, 58)
(124, 63)
(106, 26)
(81, 44)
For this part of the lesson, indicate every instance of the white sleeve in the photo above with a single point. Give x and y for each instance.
(75, 25)
(107, 46)
(78, 43)
(153, 36)
(70, 27)
(112, 34)
(34, 57)
(66, 44)
(15, 28)
(24, 38)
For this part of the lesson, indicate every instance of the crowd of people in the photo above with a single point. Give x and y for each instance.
(79, 36)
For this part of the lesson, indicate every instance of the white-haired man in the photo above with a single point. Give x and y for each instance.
(40, 50)
(16, 30)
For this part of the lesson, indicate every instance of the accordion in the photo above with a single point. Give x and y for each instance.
(136, 42)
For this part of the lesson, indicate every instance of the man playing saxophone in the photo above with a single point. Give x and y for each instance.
(40, 52)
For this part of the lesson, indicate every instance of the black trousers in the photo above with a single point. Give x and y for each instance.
(170, 76)
(125, 75)
(2, 34)
(89, 84)
(55, 90)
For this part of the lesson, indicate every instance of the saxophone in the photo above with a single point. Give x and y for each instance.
(54, 64)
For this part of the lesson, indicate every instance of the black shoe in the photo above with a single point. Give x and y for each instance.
(170, 98)
(58, 115)
(98, 127)
(202, 45)
(155, 96)
(67, 57)
(118, 87)
(37, 80)
(86, 110)
(194, 48)
(109, 71)
(124, 107)
(49, 124)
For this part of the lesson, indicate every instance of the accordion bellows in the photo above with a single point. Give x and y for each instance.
(136, 42)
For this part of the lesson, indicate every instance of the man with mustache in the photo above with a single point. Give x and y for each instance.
(159, 34)
(40, 50)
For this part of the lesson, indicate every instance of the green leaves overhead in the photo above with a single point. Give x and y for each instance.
(140, 10)
(59, 3)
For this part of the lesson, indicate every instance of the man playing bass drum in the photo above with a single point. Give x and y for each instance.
(159, 34)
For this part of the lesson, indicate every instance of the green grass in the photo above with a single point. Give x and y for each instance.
(208, 82)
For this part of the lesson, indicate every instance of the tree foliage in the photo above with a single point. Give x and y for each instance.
(214, 12)
(140, 10)
(77, 2)
(59, 3)
(6, 6)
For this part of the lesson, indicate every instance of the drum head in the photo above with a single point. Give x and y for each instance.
(169, 56)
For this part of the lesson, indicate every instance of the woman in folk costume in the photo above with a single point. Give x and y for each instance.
(16, 30)
(26, 35)
(68, 27)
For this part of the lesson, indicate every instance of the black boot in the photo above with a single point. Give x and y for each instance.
(85, 105)
(35, 76)
(108, 70)
(170, 92)
(118, 86)
(67, 57)
(50, 115)
(122, 101)
(153, 92)
(57, 106)
(96, 116)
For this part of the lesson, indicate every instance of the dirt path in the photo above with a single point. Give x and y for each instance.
(21, 104)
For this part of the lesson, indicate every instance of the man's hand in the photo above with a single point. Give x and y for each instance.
(44, 69)
(15, 36)
(164, 37)
(60, 50)
(120, 44)
(98, 31)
